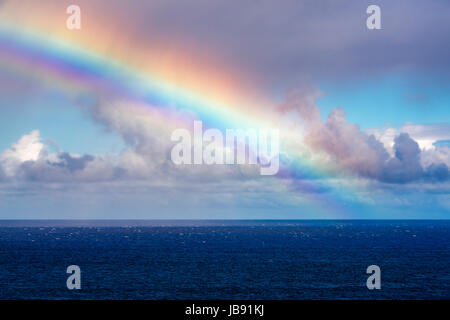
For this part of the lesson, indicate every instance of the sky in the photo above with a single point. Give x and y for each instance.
(86, 116)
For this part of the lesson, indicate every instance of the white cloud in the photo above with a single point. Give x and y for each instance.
(424, 134)
(386, 155)
(28, 148)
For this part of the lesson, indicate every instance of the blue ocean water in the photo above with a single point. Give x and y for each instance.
(225, 259)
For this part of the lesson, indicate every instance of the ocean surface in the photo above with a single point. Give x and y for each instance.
(225, 259)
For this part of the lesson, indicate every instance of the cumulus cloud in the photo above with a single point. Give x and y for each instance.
(439, 154)
(425, 135)
(345, 143)
(146, 131)
(340, 144)
(363, 154)
(29, 159)
(28, 148)
(145, 128)
(434, 156)
(405, 166)
(65, 167)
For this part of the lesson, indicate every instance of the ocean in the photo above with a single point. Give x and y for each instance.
(211, 259)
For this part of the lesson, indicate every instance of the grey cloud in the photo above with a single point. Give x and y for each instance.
(29, 160)
(147, 134)
(347, 144)
(284, 41)
(62, 168)
(2, 174)
(73, 163)
(46, 171)
(360, 153)
(438, 172)
(303, 101)
(405, 166)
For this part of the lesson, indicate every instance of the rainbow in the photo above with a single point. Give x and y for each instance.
(73, 68)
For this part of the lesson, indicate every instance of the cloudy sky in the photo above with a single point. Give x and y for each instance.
(86, 115)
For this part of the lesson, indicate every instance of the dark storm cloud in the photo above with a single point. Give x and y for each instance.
(284, 41)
